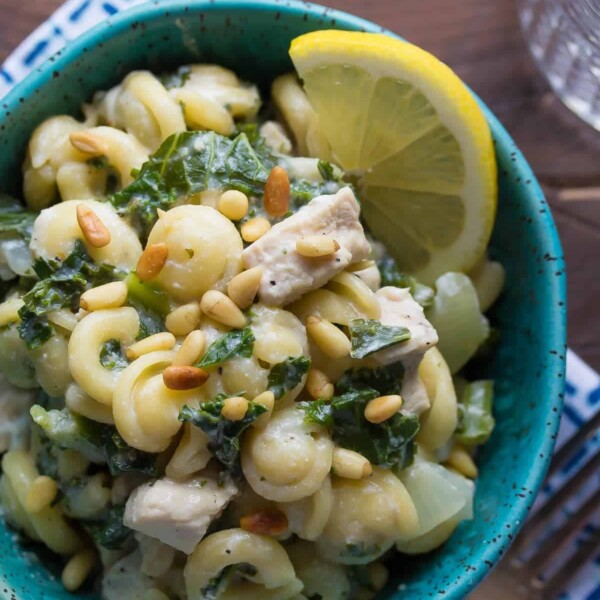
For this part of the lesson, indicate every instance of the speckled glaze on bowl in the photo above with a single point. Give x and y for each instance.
(253, 38)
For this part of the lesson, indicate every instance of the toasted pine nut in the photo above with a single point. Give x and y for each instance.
(243, 287)
(184, 378)
(254, 229)
(191, 350)
(233, 204)
(350, 465)
(77, 569)
(221, 308)
(461, 460)
(381, 409)
(42, 492)
(184, 319)
(267, 399)
(88, 143)
(268, 521)
(93, 229)
(9, 311)
(235, 408)
(158, 341)
(151, 261)
(277, 192)
(109, 295)
(318, 385)
(378, 575)
(313, 246)
(328, 337)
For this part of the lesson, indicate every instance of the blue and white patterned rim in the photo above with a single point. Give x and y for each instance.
(582, 397)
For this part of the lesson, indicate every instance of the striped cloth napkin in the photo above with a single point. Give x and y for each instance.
(582, 398)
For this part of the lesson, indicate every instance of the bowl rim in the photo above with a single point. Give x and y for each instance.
(157, 9)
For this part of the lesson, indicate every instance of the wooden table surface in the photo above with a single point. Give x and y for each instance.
(481, 40)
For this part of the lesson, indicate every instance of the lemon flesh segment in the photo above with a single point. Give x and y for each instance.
(403, 122)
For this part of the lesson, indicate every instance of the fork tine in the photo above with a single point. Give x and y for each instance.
(563, 535)
(532, 528)
(573, 444)
(557, 582)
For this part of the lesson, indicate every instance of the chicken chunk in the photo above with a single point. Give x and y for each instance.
(400, 309)
(287, 275)
(177, 513)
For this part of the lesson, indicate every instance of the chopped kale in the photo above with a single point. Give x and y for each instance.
(224, 435)
(230, 345)
(110, 532)
(15, 218)
(370, 335)
(61, 285)
(286, 375)
(386, 380)
(112, 357)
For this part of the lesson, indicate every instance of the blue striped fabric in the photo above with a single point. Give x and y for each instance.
(582, 399)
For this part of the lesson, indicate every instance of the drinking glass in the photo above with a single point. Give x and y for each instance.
(564, 39)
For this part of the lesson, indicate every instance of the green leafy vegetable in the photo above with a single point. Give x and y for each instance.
(326, 170)
(176, 79)
(391, 275)
(60, 286)
(389, 444)
(286, 375)
(190, 162)
(14, 218)
(110, 532)
(218, 584)
(235, 343)
(99, 443)
(147, 294)
(69, 430)
(475, 420)
(112, 357)
(370, 335)
(224, 435)
(386, 380)
(122, 458)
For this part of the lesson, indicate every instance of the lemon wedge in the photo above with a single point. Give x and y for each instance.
(406, 126)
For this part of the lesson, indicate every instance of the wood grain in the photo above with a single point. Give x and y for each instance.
(482, 42)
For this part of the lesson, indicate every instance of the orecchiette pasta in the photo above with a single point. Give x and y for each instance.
(48, 523)
(79, 402)
(86, 343)
(192, 454)
(274, 579)
(308, 516)
(439, 422)
(289, 459)
(320, 577)
(367, 517)
(56, 230)
(144, 408)
(15, 360)
(205, 251)
(51, 363)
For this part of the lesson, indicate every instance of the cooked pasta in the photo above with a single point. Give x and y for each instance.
(214, 385)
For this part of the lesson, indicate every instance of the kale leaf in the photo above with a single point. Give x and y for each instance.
(61, 285)
(112, 357)
(223, 434)
(391, 275)
(151, 303)
(234, 343)
(286, 375)
(191, 162)
(475, 420)
(15, 218)
(370, 335)
(109, 532)
(389, 444)
(98, 442)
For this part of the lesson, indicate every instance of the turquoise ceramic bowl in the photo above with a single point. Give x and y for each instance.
(252, 37)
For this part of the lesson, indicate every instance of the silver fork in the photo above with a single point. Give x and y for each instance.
(532, 568)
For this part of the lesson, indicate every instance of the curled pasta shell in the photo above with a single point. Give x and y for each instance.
(288, 459)
(144, 408)
(86, 343)
(274, 571)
